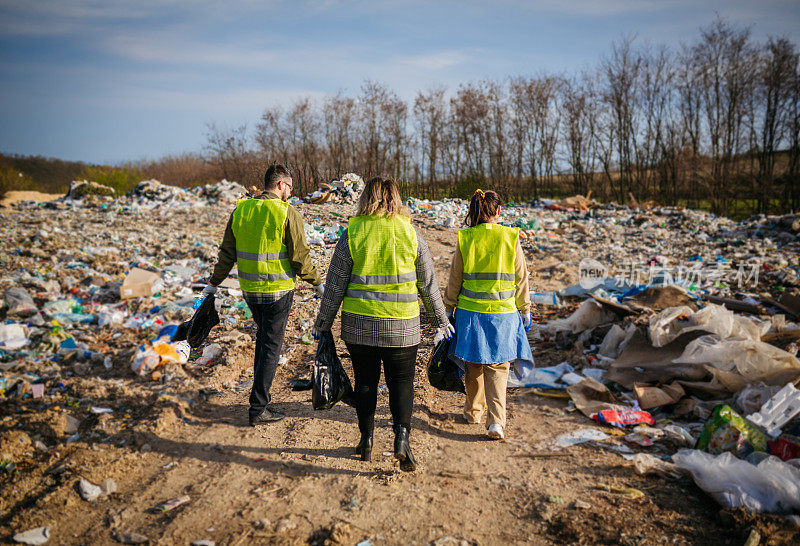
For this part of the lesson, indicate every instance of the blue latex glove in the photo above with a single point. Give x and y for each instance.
(527, 320)
(445, 332)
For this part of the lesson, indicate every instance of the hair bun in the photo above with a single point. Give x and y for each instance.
(479, 192)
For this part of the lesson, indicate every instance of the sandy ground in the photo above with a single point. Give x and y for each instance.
(298, 481)
(13, 197)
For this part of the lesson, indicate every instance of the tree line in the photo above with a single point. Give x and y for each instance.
(714, 124)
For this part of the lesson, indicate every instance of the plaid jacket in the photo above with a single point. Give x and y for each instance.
(378, 331)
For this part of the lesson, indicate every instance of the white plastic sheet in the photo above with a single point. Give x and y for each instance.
(753, 360)
(715, 319)
(772, 486)
(525, 375)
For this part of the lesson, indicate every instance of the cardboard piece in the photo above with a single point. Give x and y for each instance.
(138, 284)
(640, 362)
(652, 397)
(590, 396)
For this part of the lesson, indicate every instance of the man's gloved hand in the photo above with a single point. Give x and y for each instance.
(445, 332)
(527, 320)
(320, 289)
(208, 290)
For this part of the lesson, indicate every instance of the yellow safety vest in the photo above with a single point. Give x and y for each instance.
(489, 252)
(261, 257)
(383, 282)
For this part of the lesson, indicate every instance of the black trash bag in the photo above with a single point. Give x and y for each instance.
(329, 380)
(196, 330)
(443, 373)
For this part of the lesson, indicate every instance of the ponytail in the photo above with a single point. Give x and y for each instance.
(482, 207)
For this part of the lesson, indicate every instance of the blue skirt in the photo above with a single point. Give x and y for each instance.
(491, 338)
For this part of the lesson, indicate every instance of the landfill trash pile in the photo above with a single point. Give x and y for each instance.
(344, 190)
(668, 375)
(701, 373)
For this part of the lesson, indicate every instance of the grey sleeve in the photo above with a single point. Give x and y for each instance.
(335, 284)
(427, 286)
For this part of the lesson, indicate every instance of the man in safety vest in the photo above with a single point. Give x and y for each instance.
(266, 240)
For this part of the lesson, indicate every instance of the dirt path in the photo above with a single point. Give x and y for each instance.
(298, 481)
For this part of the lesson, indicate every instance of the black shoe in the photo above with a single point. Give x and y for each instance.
(267, 416)
(364, 447)
(402, 450)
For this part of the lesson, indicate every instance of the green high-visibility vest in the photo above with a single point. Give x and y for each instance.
(383, 282)
(489, 252)
(261, 257)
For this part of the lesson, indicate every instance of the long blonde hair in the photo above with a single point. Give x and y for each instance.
(380, 196)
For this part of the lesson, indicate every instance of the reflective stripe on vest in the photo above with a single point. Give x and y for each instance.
(261, 257)
(488, 282)
(383, 281)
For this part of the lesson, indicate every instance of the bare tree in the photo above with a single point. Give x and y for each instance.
(430, 114)
(229, 151)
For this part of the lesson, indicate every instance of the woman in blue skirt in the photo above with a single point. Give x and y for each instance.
(488, 289)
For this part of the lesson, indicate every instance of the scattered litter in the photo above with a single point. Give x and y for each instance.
(580, 437)
(88, 490)
(771, 486)
(39, 535)
(623, 418)
(171, 504)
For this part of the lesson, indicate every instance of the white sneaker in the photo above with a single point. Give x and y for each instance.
(496, 432)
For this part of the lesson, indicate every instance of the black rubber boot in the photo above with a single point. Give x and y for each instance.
(364, 447)
(402, 449)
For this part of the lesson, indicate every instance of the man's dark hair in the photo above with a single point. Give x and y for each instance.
(275, 173)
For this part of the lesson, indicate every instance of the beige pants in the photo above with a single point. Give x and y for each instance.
(486, 390)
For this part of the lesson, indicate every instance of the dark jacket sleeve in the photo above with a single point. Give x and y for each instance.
(226, 257)
(299, 254)
(335, 284)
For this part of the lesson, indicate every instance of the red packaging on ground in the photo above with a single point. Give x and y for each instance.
(624, 418)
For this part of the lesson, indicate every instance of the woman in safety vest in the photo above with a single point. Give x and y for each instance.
(379, 265)
(488, 289)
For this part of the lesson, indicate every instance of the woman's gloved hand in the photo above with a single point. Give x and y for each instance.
(445, 332)
(208, 290)
(320, 289)
(527, 320)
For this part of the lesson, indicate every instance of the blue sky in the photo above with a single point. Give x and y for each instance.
(107, 81)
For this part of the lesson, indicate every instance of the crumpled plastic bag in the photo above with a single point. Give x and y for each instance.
(196, 330)
(714, 319)
(443, 373)
(13, 336)
(752, 359)
(771, 486)
(19, 301)
(524, 374)
(330, 383)
(727, 431)
(751, 398)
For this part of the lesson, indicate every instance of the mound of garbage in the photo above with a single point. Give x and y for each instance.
(677, 327)
(344, 190)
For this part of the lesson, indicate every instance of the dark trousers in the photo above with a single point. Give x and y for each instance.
(270, 318)
(398, 368)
